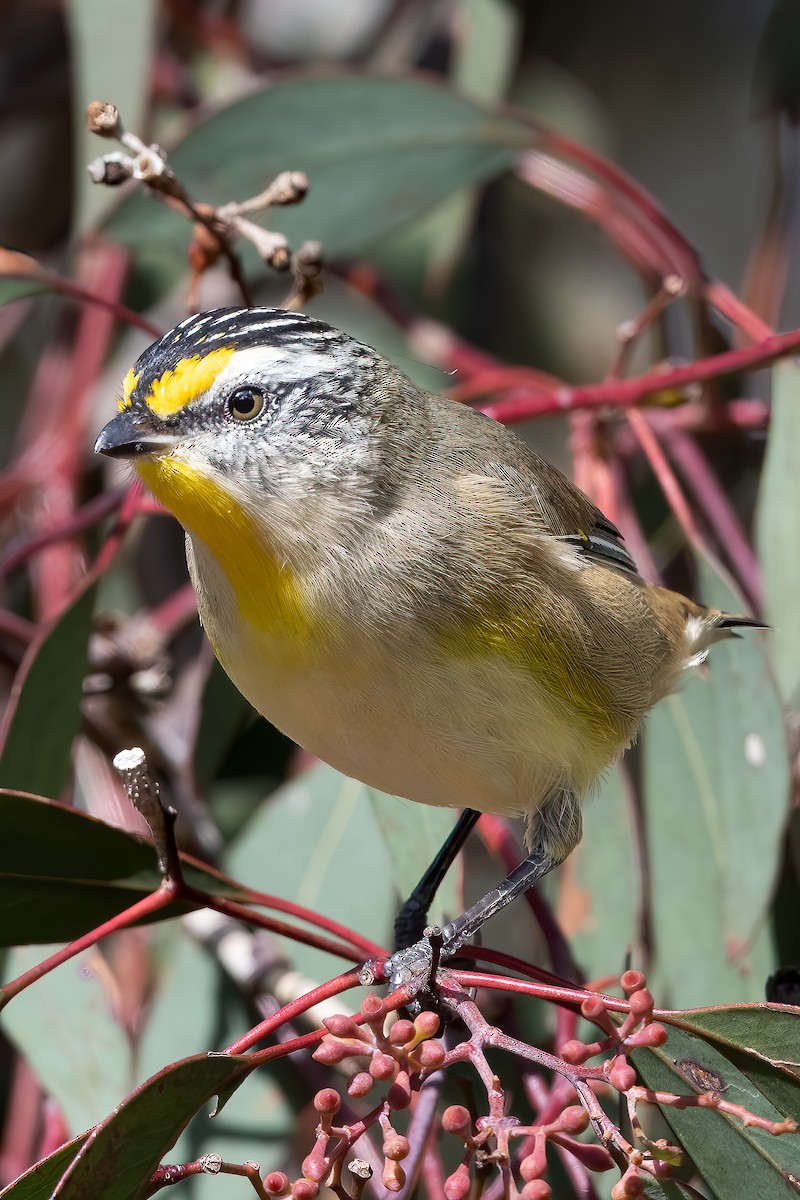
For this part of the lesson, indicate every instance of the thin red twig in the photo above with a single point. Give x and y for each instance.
(54, 282)
(334, 987)
(86, 517)
(367, 947)
(147, 907)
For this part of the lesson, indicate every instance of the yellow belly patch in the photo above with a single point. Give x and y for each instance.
(524, 643)
(267, 593)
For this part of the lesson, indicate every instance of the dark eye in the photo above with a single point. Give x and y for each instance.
(245, 403)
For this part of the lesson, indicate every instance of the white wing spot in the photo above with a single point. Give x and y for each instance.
(755, 752)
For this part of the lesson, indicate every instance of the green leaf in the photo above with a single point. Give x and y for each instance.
(484, 57)
(776, 525)
(65, 1028)
(18, 289)
(111, 43)
(44, 710)
(762, 1040)
(597, 885)
(195, 1007)
(738, 1162)
(770, 1031)
(120, 1155)
(378, 152)
(413, 835)
(488, 48)
(317, 842)
(224, 714)
(38, 1182)
(716, 778)
(62, 872)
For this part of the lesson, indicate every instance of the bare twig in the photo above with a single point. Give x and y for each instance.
(216, 229)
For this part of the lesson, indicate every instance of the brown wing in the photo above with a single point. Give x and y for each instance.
(557, 505)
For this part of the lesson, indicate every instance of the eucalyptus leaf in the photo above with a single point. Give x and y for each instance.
(65, 1027)
(716, 787)
(413, 835)
(196, 1008)
(378, 152)
(737, 1161)
(119, 1157)
(62, 872)
(762, 1040)
(776, 525)
(597, 886)
(39, 1181)
(112, 44)
(44, 710)
(18, 289)
(316, 841)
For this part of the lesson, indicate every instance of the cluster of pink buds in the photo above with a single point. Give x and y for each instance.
(393, 1057)
(488, 1140)
(637, 1029)
(397, 1058)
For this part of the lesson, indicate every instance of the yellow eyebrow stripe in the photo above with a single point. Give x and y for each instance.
(128, 384)
(188, 379)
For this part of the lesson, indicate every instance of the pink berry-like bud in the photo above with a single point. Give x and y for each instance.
(396, 1147)
(383, 1066)
(574, 1052)
(304, 1189)
(401, 1032)
(276, 1184)
(327, 1101)
(632, 981)
(457, 1185)
(373, 1007)
(537, 1189)
(315, 1165)
(427, 1024)
(593, 1008)
(342, 1026)
(534, 1165)
(621, 1075)
(360, 1084)
(456, 1119)
(629, 1185)
(394, 1177)
(573, 1119)
(641, 1003)
(430, 1054)
(330, 1052)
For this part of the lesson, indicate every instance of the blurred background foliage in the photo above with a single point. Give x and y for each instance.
(685, 864)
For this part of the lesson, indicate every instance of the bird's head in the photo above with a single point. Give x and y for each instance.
(257, 415)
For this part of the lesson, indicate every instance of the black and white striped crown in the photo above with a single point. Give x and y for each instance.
(236, 329)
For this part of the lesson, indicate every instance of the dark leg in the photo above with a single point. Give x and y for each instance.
(412, 918)
(406, 964)
(556, 831)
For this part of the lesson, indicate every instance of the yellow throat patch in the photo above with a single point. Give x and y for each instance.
(267, 594)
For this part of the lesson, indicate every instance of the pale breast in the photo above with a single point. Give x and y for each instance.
(413, 722)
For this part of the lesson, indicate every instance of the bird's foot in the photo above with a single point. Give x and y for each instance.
(416, 967)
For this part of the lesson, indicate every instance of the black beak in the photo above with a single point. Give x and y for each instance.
(131, 434)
